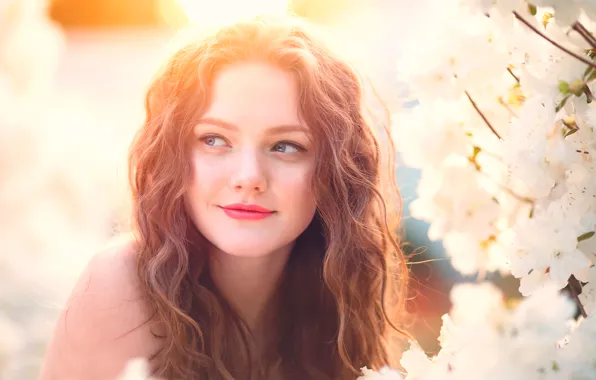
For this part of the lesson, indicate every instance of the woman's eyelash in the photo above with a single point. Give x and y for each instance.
(204, 138)
(298, 147)
(294, 145)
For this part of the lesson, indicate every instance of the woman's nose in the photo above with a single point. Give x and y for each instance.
(249, 174)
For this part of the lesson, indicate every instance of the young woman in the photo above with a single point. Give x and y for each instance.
(263, 243)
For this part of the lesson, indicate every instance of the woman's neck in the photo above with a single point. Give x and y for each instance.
(249, 283)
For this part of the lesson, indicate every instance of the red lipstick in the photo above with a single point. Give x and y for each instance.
(243, 211)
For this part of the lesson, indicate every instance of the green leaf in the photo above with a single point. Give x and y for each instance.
(563, 87)
(585, 236)
(562, 104)
(570, 132)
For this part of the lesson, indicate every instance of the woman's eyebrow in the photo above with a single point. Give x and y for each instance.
(218, 123)
(288, 128)
(233, 127)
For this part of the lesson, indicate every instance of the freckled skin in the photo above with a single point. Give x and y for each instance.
(252, 162)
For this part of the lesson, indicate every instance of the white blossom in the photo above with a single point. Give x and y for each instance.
(416, 363)
(567, 12)
(481, 338)
(443, 134)
(444, 71)
(588, 295)
(451, 205)
(384, 373)
(578, 357)
(470, 254)
(552, 255)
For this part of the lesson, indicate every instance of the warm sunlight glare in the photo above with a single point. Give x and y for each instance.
(209, 12)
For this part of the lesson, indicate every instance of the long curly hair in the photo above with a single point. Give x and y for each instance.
(345, 281)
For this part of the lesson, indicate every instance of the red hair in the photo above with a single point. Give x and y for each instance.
(346, 277)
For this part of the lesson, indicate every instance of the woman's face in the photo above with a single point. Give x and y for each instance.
(251, 151)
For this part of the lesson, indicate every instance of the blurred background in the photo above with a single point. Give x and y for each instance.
(73, 74)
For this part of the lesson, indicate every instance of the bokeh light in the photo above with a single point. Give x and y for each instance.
(204, 13)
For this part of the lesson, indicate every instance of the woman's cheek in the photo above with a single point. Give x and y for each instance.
(297, 180)
(209, 171)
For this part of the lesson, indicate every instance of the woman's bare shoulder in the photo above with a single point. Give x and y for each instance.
(105, 322)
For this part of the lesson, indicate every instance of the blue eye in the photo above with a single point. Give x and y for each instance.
(287, 147)
(214, 141)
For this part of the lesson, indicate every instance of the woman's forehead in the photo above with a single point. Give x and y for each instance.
(254, 93)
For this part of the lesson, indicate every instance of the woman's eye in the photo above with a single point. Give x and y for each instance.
(287, 147)
(214, 141)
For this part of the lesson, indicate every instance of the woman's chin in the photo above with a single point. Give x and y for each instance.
(248, 250)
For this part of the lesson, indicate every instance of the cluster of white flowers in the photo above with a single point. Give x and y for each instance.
(504, 136)
(482, 338)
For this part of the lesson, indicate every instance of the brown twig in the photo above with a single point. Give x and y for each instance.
(515, 195)
(513, 75)
(582, 31)
(482, 115)
(507, 190)
(582, 59)
(506, 106)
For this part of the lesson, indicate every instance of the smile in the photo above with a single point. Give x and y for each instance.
(246, 212)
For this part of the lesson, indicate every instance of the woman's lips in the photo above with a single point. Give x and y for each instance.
(246, 212)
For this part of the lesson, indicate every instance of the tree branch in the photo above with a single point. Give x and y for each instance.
(482, 115)
(579, 28)
(582, 59)
(513, 75)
